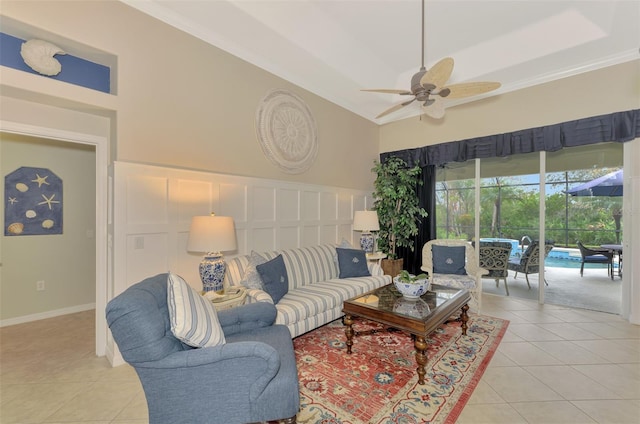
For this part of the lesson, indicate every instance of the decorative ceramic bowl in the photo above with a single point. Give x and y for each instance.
(412, 290)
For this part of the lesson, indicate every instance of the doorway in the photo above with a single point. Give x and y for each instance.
(100, 147)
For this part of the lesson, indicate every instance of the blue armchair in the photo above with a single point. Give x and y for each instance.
(251, 378)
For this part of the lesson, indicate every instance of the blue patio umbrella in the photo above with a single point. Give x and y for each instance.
(608, 185)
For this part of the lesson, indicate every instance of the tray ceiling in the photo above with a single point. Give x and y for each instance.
(336, 48)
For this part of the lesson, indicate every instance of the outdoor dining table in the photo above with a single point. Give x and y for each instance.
(617, 250)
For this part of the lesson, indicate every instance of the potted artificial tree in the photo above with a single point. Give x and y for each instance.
(399, 212)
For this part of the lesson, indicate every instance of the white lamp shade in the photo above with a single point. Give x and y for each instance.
(212, 234)
(366, 221)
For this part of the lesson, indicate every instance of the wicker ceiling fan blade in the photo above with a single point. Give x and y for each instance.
(439, 73)
(394, 108)
(388, 91)
(468, 89)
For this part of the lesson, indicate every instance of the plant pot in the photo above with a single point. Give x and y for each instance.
(392, 267)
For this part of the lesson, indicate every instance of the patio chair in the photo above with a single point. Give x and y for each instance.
(494, 257)
(529, 262)
(596, 256)
(441, 256)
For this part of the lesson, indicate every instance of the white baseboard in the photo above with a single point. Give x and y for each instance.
(113, 353)
(48, 314)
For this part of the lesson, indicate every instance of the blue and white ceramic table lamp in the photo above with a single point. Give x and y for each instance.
(366, 221)
(214, 235)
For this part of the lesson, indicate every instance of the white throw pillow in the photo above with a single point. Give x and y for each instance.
(193, 318)
(344, 244)
(251, 278)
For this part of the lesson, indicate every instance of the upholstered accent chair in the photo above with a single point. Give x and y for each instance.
(596, 256)
(251, 377)
(469, 275)
(529, 262)
(494, 257)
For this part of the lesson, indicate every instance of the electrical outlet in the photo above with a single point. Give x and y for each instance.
(40, 285)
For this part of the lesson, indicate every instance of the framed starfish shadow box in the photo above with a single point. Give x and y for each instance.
(33, 202)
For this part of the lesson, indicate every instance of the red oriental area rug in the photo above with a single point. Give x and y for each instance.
(378, 383)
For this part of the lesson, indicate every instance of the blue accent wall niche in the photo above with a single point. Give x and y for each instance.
(75, 70)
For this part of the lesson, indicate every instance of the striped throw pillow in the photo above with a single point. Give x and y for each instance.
(193, 318)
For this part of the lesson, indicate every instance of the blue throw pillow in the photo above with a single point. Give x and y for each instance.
(274, 277)
(448, 259)
(352, 263)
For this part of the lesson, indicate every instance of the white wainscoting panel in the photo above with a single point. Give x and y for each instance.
(328, 233)
(328, 206)
(289, 236)
(147, 255)
(193, 198)
(263, 239)
(310, 235)
(147, 200)
(233, 201)
(288, 205)
(361, 202)
(264, 204)
(153, 207)
(310, 205)
(344, 206)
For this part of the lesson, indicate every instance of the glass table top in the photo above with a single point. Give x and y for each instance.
(389, 299)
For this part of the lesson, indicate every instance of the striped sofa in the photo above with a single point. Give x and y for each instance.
(315, 293)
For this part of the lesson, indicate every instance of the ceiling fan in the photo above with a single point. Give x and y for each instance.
(428, 86)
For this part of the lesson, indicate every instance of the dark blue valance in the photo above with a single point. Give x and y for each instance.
(614, 127)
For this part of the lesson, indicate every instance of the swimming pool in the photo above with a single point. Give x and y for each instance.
(559, 257)
(572, 263)
(515, 244)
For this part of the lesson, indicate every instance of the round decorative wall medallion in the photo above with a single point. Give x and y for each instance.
(287, 131)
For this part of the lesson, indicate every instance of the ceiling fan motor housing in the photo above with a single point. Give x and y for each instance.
(421, 91)
(416, 87)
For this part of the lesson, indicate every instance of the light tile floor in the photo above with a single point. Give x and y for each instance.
(554, 365)
(558, 365)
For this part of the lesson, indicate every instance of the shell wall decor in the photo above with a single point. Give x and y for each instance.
(286, 131)
(38, 54)
(33, 202)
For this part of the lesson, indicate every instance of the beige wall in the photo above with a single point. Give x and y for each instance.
(608, 90)
(183, 103)
(65, 262)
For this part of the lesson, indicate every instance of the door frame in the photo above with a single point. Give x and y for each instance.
(103, 214)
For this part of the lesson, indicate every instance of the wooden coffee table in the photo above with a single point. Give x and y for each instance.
(418, 317)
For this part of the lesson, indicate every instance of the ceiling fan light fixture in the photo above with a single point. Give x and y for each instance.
(435, 109)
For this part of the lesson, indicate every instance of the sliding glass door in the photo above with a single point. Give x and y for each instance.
(455, 201)
(591, 217)
(508, 210)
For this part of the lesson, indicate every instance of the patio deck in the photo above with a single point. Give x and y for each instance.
(595, 291)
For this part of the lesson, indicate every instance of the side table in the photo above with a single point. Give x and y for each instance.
(234, 296)
(376, 256)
